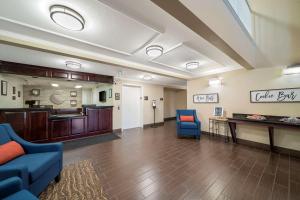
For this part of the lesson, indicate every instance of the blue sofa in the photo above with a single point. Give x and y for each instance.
(187, 129)
(12, 189)
(38, 167)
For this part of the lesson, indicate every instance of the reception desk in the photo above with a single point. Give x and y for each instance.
(41, 125)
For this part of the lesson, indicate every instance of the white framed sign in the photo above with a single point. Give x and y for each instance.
(206, 98)
(285, 95)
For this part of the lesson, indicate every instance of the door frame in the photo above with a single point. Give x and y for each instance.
(141, 125)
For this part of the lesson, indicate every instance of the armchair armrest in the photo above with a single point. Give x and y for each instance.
(10, 186)
(42, 148)
(17, 171)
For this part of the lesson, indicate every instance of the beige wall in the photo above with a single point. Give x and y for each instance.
(47, 91)
(234, 97)
(95, 95)
(173, 99)
(154, 92)
(6, 101)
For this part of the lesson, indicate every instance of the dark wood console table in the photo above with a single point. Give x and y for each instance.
(271, 122)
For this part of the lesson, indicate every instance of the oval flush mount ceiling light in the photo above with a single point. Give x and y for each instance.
(73, 65)
(54, 85)
(192, 65)
(67, 18)
(78, 86)
(154, 50)
(147, 77)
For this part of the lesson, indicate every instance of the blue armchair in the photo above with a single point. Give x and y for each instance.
(38, 167)
(188, 128)
(12, 189)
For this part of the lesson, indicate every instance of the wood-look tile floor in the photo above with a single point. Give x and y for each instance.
(154, 164)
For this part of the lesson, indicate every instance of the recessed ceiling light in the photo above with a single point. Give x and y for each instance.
(67, 18)
(147, 77)
(154, 51)
(78, 86)
(54, 85)
(73, 65)
(295, 69)
(192, 65)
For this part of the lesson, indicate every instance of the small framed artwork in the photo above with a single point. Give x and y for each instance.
(73, 103)
(161, 99)
(146, 98)
(14, 89)
(35, 92)
(117, 96)
(4, 88)
(110, 93)
(73, 93)
(19, 93)
(13, 97)
(218, 111)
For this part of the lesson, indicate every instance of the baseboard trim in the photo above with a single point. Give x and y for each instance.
(150, 125)
(169, 118)
(266, 147)
(117, 130)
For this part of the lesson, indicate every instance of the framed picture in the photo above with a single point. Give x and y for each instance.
(73, 103)
(146, 98)
(35, 92)
(218, 111)
(206, 98)
(14, 89)
(19, 93)
(285, 95)
(110, 93)
(4, 88)
(117, 96)
(73, 93)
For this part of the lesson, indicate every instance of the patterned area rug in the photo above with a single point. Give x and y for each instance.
(79, 181)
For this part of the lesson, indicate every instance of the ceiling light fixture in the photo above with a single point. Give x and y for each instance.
(147, 77)
(73, 65)
(294, 69)
(154, 50)
(78, 86)
(67, 18)
(215, 82)
(192, 65)
(54, 85)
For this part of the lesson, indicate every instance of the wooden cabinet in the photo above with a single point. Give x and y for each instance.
(78, 126)
(59, 74)
(99, 120)
(18, 120)
(59, 128)
(37, 126)
(39, 71)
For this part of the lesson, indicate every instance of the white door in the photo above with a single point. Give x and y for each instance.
(131, 107)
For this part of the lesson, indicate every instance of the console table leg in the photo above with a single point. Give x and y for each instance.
(271, 137)
(232, 127)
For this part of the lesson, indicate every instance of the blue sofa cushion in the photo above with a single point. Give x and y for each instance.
(188, 125)
(21, 195)
(37, 163)
(4, 137)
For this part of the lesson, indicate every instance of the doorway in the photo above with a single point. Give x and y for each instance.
(131, 106)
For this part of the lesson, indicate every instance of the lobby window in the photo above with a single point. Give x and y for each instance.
(241, 10)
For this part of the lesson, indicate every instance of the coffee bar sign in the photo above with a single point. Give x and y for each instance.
(287, 95)
(206, 98)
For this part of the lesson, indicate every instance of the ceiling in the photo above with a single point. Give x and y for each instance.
(117, 33)
(277, 25)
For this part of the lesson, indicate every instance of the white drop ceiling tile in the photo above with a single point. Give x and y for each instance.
(104, 26)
